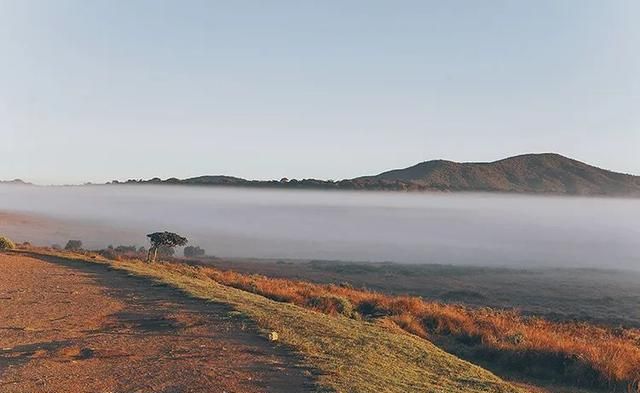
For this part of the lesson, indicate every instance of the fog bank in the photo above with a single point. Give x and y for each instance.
(479, 229)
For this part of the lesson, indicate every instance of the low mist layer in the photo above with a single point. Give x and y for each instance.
(480, 229)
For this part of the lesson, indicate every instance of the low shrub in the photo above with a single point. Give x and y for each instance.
(126, 249)
(110, 253)
(193, 251)
(6, 243)
(73, 245)
(411, 324)
(372, 307)
(330, 304)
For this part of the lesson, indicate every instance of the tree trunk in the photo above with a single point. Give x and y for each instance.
(152, 254)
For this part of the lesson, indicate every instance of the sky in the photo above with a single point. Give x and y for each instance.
(100, 90)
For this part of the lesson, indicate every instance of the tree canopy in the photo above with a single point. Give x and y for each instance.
(165, 238)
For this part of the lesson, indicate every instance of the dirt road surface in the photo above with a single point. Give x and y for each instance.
(76, 327)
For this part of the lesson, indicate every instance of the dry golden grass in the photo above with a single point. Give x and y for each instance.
(576, 353)
(579, 354)
(348, 355)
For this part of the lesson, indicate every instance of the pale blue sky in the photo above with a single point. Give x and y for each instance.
(101, 90)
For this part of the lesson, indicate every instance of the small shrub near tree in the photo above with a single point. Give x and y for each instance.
(110, 253)
(6, 243)
(117, 253)
(73, 245)
(125, 249)
(191, 251)
(166, 251)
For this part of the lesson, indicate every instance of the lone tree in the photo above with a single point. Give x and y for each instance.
(163, 240)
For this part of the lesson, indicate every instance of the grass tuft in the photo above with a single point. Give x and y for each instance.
(6, 243)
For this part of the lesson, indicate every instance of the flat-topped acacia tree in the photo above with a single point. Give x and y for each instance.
(163, 239)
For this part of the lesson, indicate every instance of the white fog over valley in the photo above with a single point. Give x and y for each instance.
(475, 229)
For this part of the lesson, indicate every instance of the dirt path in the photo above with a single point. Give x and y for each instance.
(76, 327)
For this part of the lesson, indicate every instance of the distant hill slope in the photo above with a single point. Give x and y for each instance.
(546, 173)
(529, 173)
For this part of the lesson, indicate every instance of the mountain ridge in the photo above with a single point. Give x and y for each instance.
(532, 173)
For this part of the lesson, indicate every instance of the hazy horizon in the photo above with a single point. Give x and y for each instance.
(273, 178)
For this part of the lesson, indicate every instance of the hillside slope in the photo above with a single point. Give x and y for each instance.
(529, 173)
(546, 173)
(348, 355)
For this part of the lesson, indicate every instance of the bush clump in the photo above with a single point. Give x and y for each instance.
(126, 249)
(331, 304)
(6, 243)
(110, 253)
(73, 245)
(191, 251)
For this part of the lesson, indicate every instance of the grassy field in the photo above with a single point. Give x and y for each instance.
(608, 297)
(351, 345)
(350, 355)
(573, 354)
